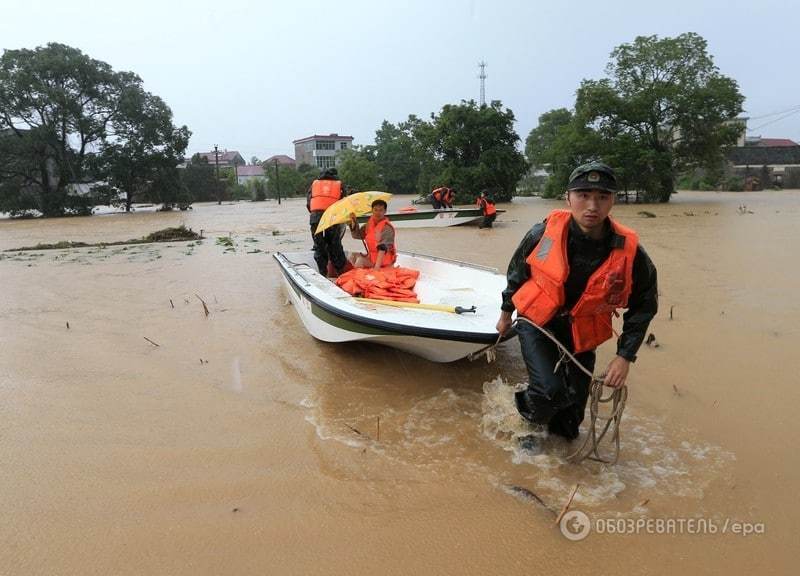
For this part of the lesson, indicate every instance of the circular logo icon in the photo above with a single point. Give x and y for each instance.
(575, 525)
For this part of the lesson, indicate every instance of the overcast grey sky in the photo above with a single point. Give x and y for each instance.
(253, 76)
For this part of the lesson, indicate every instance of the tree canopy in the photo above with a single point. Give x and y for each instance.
(477, 147)
(358, 171)
(664, 108)
(467, 147)
(68, 119)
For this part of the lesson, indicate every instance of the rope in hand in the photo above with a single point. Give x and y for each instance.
(617, 398)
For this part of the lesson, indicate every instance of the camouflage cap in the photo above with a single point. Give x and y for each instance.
(593, 176)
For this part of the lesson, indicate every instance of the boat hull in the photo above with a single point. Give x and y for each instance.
(432, 218)
(335, 319)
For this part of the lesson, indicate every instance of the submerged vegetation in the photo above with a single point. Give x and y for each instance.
(175, 234)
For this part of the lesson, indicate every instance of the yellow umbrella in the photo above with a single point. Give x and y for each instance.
(359, 204)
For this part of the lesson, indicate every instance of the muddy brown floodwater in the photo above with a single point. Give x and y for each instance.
(229, 449)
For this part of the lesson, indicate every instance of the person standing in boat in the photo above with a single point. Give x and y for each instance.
(569, 275)
(437, 196)
(328, 248)
(486, 205)
(448, 197)
(378, 236)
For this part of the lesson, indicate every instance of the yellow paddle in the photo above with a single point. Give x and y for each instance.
(439, 307)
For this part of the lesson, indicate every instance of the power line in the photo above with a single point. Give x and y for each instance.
(778, 119)
(775, 113)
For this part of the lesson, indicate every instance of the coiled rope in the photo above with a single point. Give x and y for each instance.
(589, 449)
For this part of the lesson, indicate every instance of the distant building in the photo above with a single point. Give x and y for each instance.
(769, 159)
(281, 159)
(321, 151)
(227, 158)
(247, 173)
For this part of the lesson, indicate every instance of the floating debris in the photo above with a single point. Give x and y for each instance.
(526, 494)
(646, 214)
(566, 505)
(205, 307)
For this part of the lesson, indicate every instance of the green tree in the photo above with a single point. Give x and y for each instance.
(399, 156)
(359, 171)
(288, 181)
(257, 189)
(200, 179)
(169, 189)
(18, 172)
(476, 147)
(539, 143)
(60, 105)
(663, 109)
(559, 143)
(143, 147)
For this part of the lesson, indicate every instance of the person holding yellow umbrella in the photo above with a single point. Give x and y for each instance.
(358, 204)
(378, 236)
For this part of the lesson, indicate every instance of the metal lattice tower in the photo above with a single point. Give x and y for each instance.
(482, 76)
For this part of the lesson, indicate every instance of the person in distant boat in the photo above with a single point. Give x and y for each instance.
(448, 197)
(569, 275)
(378, 236)
(323, 192)
(437, 197)
(486, 205)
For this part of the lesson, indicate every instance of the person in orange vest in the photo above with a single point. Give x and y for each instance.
(323, 192)
(448, 196)
(437, 197)
(378, 235)
(487, 207)
(569, 275)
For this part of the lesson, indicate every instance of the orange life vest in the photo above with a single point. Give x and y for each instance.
(384, 284)
(438, 194)
(324, 193)
(542, 295)
(372, 236)
(448, 195)
(487, 207)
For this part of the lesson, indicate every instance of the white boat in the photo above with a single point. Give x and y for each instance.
(432, 218)
(332, 315)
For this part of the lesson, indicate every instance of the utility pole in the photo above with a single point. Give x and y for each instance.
(277, 182)
(482, 76)
(216, 168)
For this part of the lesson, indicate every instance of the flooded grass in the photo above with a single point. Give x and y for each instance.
(174, 234)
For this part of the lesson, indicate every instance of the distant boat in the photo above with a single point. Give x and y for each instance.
(413, 218)
(332, 315)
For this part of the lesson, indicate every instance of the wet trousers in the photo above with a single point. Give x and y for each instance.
(328, 246)
(554, 397)
(487, 221)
